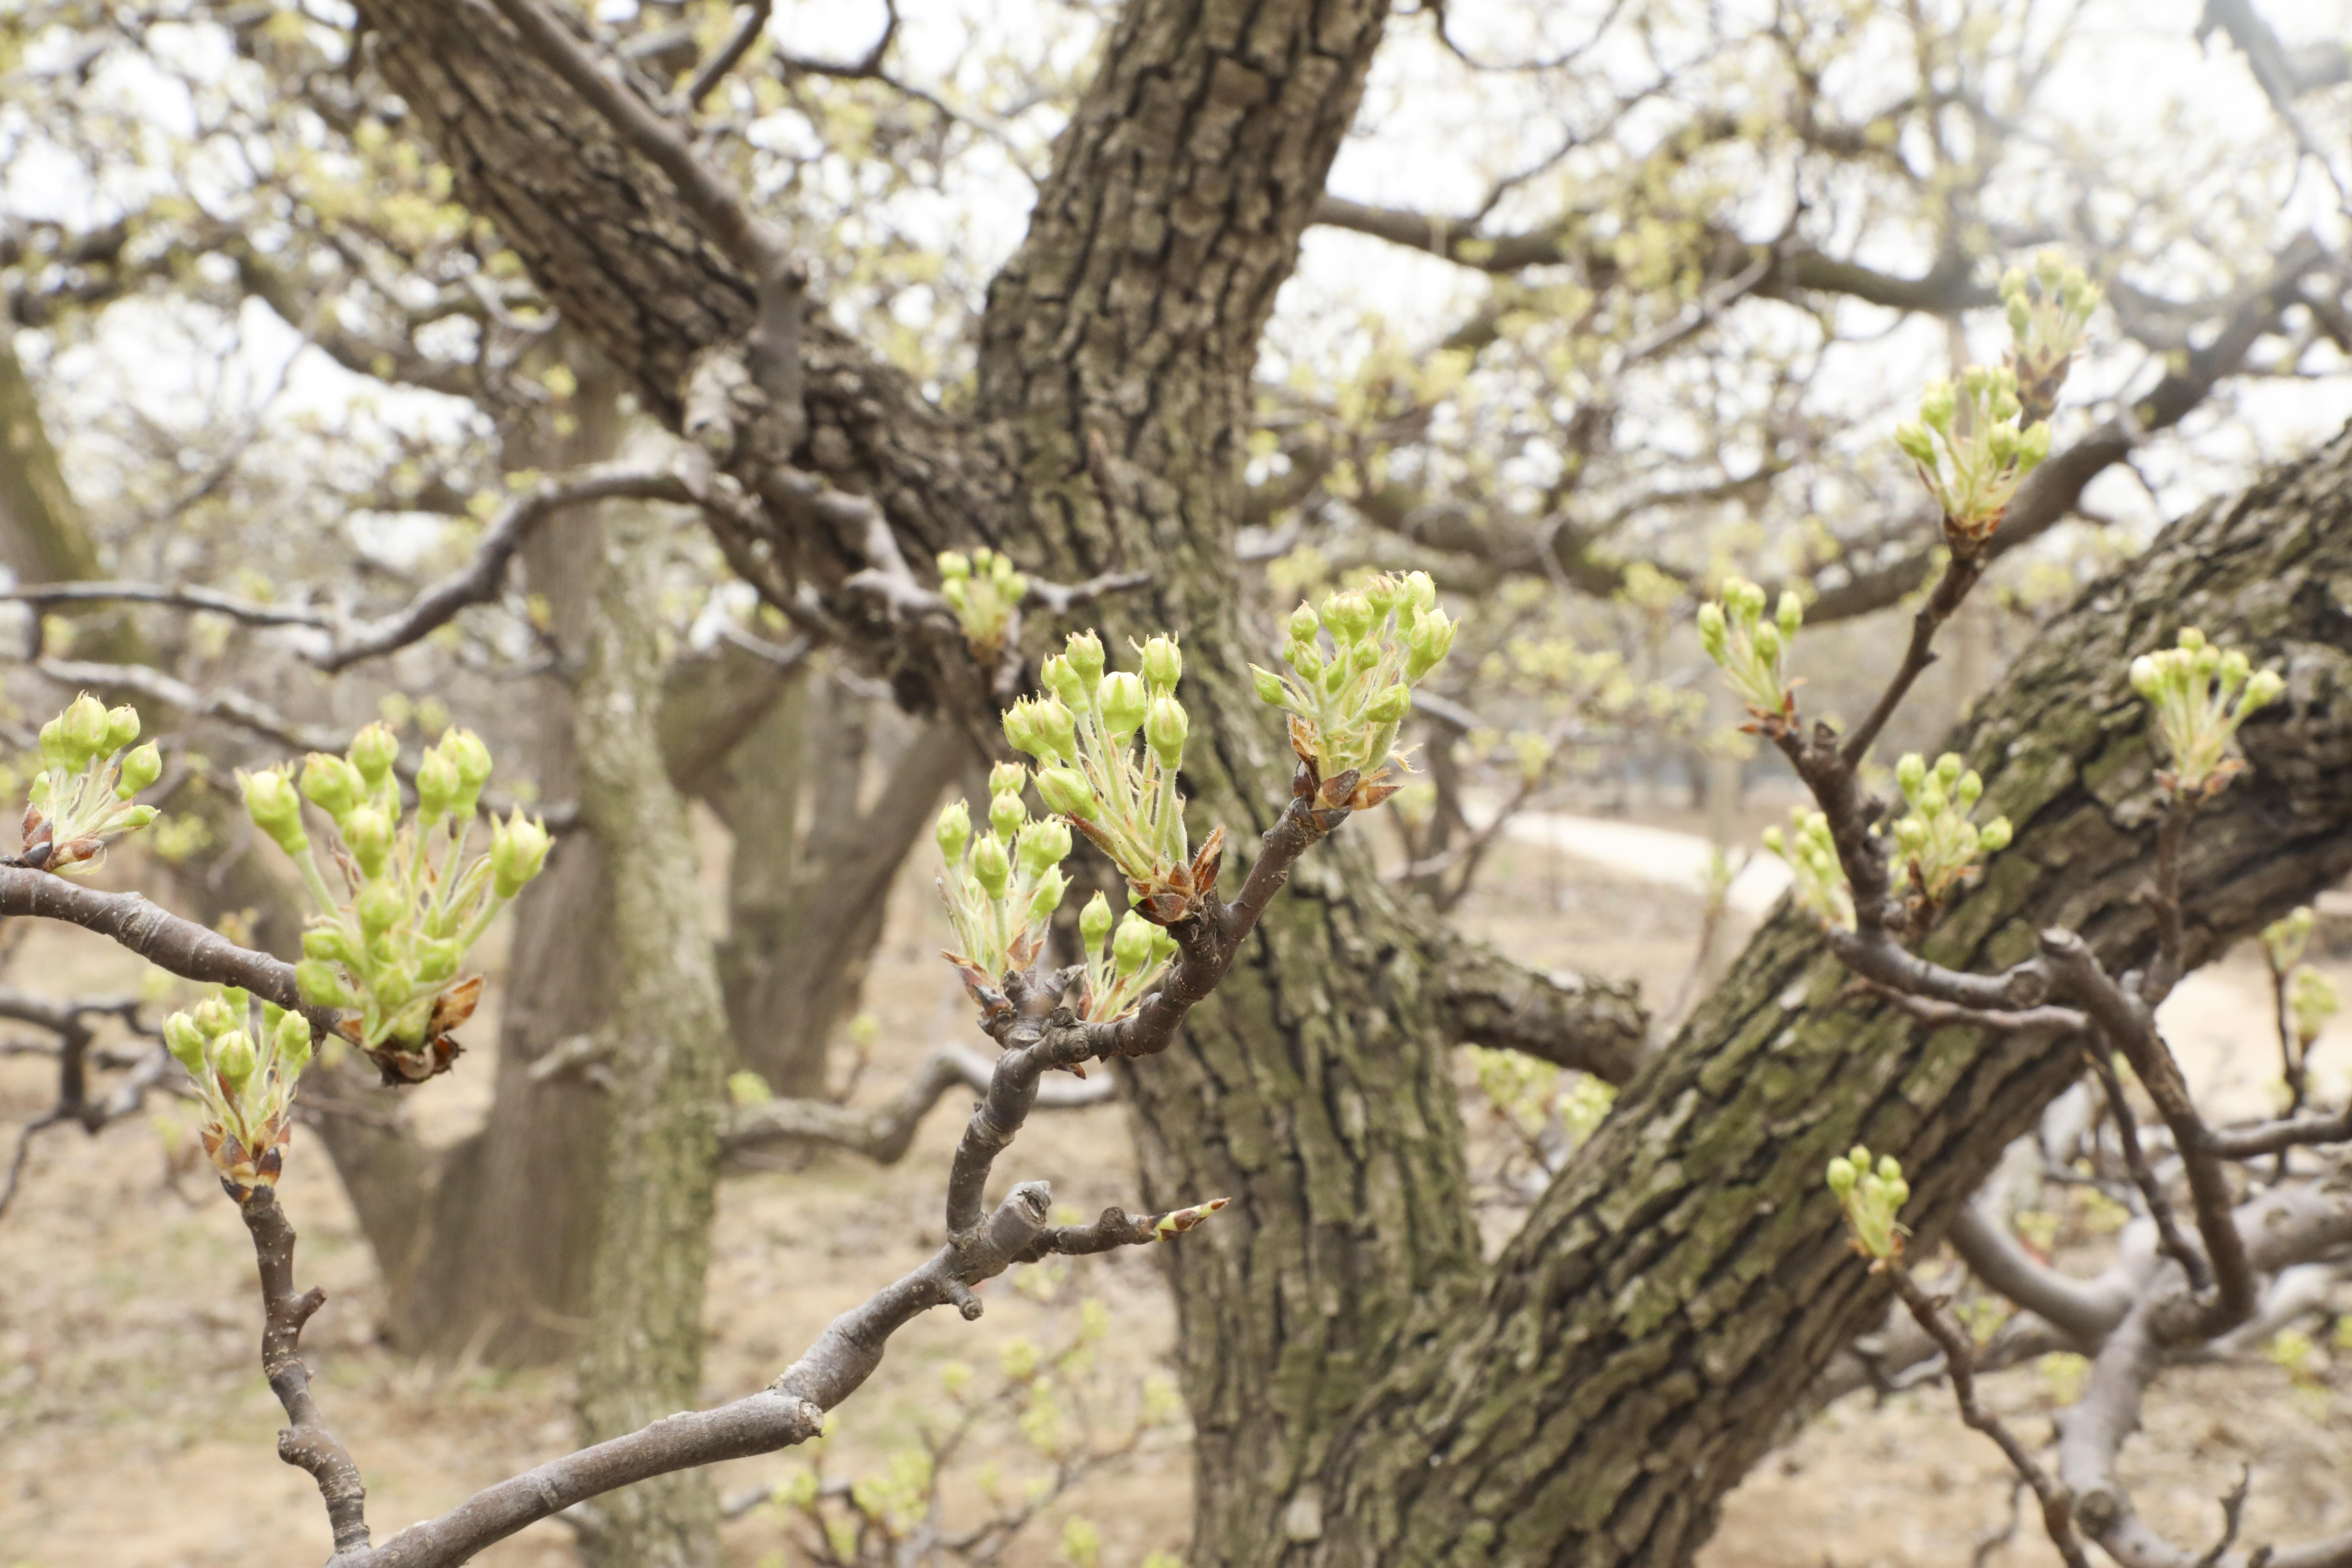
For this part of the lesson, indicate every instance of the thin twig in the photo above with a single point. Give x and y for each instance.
(309, 1442)
(716, 68)
(2151, 1191)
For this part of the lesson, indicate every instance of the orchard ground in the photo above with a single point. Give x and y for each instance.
(136, 1432)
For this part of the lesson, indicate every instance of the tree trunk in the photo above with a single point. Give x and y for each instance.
(665, 1043)
(1687, 1276)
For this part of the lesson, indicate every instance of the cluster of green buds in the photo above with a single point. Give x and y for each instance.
(1085, 733)
(1972, 450)
(1812, 855)
(2285, 939)
(1122, 969)
(1345, 704)
(2201, 695)
(391, 946)
(1937, 848)
(245, 1076)
(83, 795)
(1750, 649)
(2048, 312)
(984, 590)
(2311, 1000)
(1002, 887)
(1870, 1196)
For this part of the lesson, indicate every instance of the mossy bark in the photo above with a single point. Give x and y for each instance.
(664, 1042)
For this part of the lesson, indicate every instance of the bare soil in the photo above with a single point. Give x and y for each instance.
(136, 1432)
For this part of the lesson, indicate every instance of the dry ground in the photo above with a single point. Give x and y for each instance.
(135, 1431)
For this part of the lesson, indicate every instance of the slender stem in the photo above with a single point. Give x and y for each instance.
(309, 1444)
(2151, 1191)
(1960, 574)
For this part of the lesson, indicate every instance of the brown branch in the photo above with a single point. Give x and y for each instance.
(1959, 576)
(2261, 1137)
(309, 1444)
(2151, 1191)
(252, 612)
(2057, 1505)
(716, 68)
(884, 1133)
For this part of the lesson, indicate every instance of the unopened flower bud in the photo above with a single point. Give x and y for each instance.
(1124, 703)
(1421, 591)
(1389, 705)
(1094, 924)
(1433, 635)
(275, 809)
(235, 1060)
(332, 784)
(1061, 677)
(137, 817)
(330, 942)
(1164, 729)
(373, 751)
(292, 1039)
(517, 850)
(122, 729)
(1841, 1175)
(2146, 677)
(1993, 836)
(1005, 815)
(214, 1015)
(954, 565)
(1163, 664)
(1304, 623)
(1042, 846)
(1130, 950)
(1007, 778)
(56, 752)
(2262, 688)
(1936, 406)
(1268, 686)
(1909, 772)
(437, 787)
(1790, 615)
(142, 766)
(1970, 790)
(185, 1040)
(1085, 651)
(1947, 771)
(1348, 616)
(1065, 790)
(1713, 634)
(320, 985)
(84, 730)
(2034, 447)
(368, 833)
(1305, 657)
(1048, 896)
(1916, 442)
(436, 961)
(954, 830)
(990, 866)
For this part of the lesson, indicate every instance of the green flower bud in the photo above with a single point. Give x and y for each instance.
(1086, 655)
(990, 866)
(1304, 623)
(1389, 705)
(1776, 841)
(1305, 657)
(332, 784)
(1970, 790)
(2262, 688)
(465, 748)
(1766, 640)
(321, 986)
(1163, 664)
(185, 1040)
(380, 907)
(1269, 686)
(1910, 772)
(437, 787)
(1860, 1156)
(56, 752)
(1713, 634)
(954, 565)
(235, 1060)
(1055, 729)
(368, 834)
(1947, 771)
(1007, 778)
(1048, 896)
(329, 942)
(1916, 444)
(1094, 924)
(1890, 1169)
(956, 592)
(375, 750)
(2021, 317)
(141, 768)
(1420, 593)
(518, 851)
(1065, 790)
(1791, 614)
(1130, 950)
(2147, 678)
(1348, 616)
(1433, 635)
(84, 730)
(436, 961)
(1165, 729)
(954, 830)
(122, 729)
(137, 817)
(1005, 815)
(1993, 836)
(215, 1017)
(275, 809)
(1042, 846)
(1124, 704)
(2034, 447)
(1936, 406)
(1841, 1175)
(1061, 677)
(292, 1040)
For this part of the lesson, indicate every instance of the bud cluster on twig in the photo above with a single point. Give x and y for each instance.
(2201, 694)
(1984, 453)
(1812, 859)
(1003, 887)
(1120, 794)
(244, 1078)
(1122, 969)
(83, 795)
(391, 946)
(2048, 311)
(1870, 1196)
(1937, 848)
(985, 592)
(1346, 704)
(1751, 650)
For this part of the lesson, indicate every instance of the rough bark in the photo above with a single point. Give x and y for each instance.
(665, 1040)
(1686, 1277)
